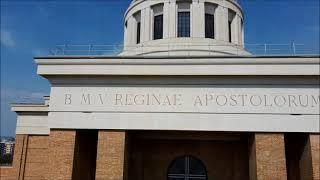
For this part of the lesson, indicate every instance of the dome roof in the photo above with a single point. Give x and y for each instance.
(184, 27)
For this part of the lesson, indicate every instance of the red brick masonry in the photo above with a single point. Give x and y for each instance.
(51, 157)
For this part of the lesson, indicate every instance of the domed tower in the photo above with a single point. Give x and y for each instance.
(184, 27)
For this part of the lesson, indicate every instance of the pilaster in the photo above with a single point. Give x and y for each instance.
(61, 152)
(267, 158)
(110, 155)
(314, 141)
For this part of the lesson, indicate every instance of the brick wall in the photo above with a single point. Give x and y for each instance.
(315, 155)
(30, 158)
(110, 155)
(8, 173)
(37, 157)
(61, 152)
(267, 157)
(52, 157)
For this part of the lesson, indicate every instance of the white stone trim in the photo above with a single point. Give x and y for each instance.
(33, 130)
(223, 66)
(34, 123)
(29, 108)
(190, 122)
(250, 60)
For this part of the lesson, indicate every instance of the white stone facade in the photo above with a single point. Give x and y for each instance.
(204, 85)
(252, 94)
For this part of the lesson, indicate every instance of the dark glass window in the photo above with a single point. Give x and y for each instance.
(187, 168)
(158, 27)
(230, 30)
(184, 24)
(138, 32)
(209, 26)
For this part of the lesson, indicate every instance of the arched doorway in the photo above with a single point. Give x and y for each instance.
(187, 168)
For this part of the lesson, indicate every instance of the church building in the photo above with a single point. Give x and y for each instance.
(184, 100)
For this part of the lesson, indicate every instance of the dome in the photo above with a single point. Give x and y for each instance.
(184, 27)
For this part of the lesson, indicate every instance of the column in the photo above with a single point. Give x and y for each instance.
(172, 20)
(166, 20)
(234, 29)
(237, 30)
(146, 24)
(131, 31)
(198, 19)
(126, 37)
(61, 152)
(221, 20)
(110, 155)
(267, 157)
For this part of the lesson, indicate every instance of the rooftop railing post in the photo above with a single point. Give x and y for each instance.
(64, 49)
(265, 49)
(89, 52)
(294, 48)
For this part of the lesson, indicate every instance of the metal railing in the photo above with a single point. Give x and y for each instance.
(289, 49)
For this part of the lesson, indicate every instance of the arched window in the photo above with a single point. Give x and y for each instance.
(187, 168)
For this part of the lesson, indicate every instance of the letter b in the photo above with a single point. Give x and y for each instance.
(67, 99)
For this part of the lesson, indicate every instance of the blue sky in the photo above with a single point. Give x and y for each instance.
(32, 27)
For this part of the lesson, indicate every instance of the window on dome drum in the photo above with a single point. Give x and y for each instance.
(231, 16)
(137, 17)
(158, 27)
(184, 24)
(241, 34)
(187, 168)
(209, 19)
(230, 30)
(138, 32)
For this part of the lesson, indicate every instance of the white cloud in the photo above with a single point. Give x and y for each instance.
(7, 39)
